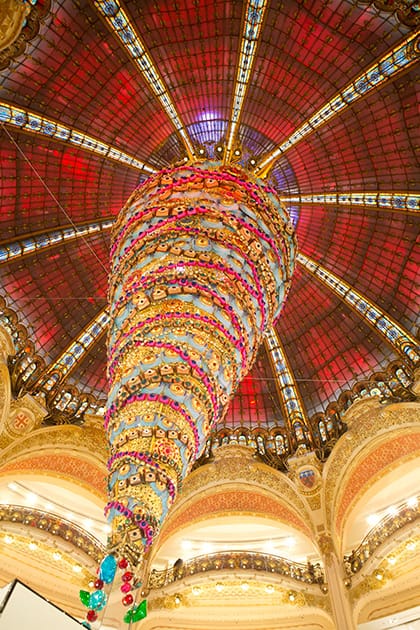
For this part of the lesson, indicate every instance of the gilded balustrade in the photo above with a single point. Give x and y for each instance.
(238, 560)
(402, 515)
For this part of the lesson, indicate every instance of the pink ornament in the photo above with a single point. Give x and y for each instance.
(126, 587)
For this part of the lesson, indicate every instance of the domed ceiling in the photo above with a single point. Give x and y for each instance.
(317, 96)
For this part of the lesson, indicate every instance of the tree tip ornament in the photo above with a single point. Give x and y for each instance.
(201, 261)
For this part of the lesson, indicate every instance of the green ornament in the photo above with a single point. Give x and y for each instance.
(85, 598)
(136, 613)
(140, 612)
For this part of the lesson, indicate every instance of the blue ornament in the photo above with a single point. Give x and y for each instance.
(108, 569)
(97, 600)
(86, 624)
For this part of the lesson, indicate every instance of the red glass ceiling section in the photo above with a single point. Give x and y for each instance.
(329, 347)
(86, 186)
(302, 42)
(76, 72)
(57, 292)
(363, 148)
(90, 84)
(374, 252)
(200, 82)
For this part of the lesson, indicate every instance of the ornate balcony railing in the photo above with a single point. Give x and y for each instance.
(238, 560)
(404, 514)
(54, 525)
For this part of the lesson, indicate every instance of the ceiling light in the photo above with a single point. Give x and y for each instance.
(8, 539)
(373, 519)
(177, 599)
(236, 152)
(57, 555)
(292, 596)
(77, 568)
(219, 587)
(269, 588)
(379, 575)
(201, 151)
(196, 590)
(392, 560)
(49, 507)
(412, 502)
(31, 498)
(245, 586)
(290, 541)
(88, 523)
(392, 511)
(219, 149)
(32, 545)
(186, 545)
(252, 162)
(410, 545)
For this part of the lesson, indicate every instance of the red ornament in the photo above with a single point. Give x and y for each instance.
(123, 563)
(126, 587)
(127, 576)
(128, 600)
(91, 615)
(98, 584)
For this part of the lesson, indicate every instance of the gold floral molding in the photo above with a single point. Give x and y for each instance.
(368, 420)
(237, 483)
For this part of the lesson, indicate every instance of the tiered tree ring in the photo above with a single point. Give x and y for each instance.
(201, 261)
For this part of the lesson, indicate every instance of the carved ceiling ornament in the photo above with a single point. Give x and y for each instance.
(19, 24)
(367, 420)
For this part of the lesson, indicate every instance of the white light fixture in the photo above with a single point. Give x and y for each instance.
(412, 502)
(269, 588)
(196, 590)
(219, 587)
(245, 586)
(392, 560)
(373, 519)
(77, 568)
(392, 511)
(186, 545)
(57, 555)
(31, 498)
(32, 545)
(8, 539)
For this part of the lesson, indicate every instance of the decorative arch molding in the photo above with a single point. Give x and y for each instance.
(74, 453)
(379, 438)
(235, 483)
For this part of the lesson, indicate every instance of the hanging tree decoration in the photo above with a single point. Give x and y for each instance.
(201, 261)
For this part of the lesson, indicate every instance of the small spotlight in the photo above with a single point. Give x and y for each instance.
(185, 159)
(201, 151)
(237, 152)
(57, 555)
(32, 545)
(269, 588)
(392, 560)
(245, 586)
(412, 502)
(77, 568)
(219, 587)
(292, 596)
(8, 540)
(219, 149)
(196, 590)
(252, 162)
(410, 545)
(177, 600)
(379, 575)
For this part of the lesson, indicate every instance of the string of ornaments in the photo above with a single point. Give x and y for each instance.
(97, 600)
